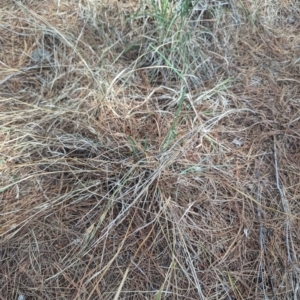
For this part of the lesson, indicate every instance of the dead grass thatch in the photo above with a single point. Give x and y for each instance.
(149, 149)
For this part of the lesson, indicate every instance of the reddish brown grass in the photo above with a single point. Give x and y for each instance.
(142, 161)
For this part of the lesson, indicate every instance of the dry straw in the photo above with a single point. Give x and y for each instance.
(149, 149)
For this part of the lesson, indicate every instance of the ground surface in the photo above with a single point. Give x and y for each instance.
(149, 149)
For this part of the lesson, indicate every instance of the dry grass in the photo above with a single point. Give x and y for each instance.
(147, 153)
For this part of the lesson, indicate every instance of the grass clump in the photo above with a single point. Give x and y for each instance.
(149, 150)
